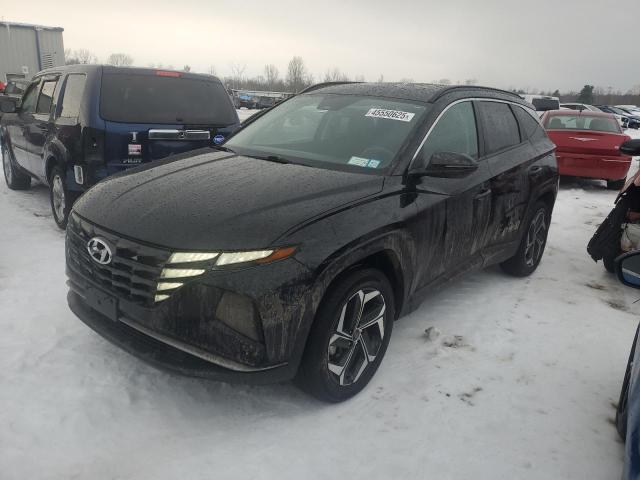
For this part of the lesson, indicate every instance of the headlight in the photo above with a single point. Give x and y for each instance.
(242, 257)
(186, 257)
(205, 260)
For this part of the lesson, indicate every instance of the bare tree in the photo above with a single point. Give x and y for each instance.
(83, 56)
(360, 78)
(186, 68)
(406, 80)
(444, 81)
(335, 75)
(120, 60)
(297, 76)
(470, 81)
(271, 76)
(237, 74)
(381, 78)
(212, 70)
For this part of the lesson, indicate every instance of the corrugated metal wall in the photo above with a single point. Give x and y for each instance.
(51, 48)
(19, 50)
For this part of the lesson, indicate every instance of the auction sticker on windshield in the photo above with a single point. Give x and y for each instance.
(390, 114)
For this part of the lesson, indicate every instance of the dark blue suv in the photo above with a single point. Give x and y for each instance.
(78, 124)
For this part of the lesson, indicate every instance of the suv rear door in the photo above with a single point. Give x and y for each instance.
(150, 114)
(510, 157)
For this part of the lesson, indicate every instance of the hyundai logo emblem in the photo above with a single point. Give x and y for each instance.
(99, 251)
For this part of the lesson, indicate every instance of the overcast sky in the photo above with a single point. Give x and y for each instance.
(504, 43)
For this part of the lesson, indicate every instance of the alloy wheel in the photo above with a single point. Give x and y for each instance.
(358, 337)
(536, 237)
(58, 197)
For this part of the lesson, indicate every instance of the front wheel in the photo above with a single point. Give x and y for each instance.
(16, 180)
(531, 248)
(349, 336)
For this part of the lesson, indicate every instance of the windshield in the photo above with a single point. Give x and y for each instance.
(148, 98)
(583, 122)
(346, 130)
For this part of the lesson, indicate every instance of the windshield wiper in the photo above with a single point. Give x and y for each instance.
(222, 148)
(270, 158)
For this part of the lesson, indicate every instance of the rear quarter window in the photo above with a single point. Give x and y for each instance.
(72, 97)
(530, 127)
(153, 98)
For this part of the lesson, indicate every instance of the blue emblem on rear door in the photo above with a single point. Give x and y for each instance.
(218, 139)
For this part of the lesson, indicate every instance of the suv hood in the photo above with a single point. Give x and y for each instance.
(218, 201)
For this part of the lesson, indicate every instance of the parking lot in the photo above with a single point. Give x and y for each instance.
(517, 379)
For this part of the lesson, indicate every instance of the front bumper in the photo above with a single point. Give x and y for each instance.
(168, 357)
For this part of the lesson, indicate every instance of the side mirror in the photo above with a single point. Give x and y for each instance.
(631, 147)
(7, 106)
(628, 269)
(445, 165)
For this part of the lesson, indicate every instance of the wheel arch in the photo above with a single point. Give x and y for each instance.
(382, 258)
(54, 154)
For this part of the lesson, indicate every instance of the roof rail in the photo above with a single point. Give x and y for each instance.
(446, 90)
(316, 86)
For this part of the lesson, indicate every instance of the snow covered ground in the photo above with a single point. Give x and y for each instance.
(518, 380)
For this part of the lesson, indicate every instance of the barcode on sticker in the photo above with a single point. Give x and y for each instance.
(390, 114)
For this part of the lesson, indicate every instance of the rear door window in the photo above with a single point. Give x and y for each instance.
(46, 96)
(73, 92)
(500, 126)
(454, 132)
(164, 97)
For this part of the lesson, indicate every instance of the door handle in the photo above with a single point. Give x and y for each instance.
(535, 169)
(482, 194)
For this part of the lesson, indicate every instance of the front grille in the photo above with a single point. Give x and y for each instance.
(133, 271)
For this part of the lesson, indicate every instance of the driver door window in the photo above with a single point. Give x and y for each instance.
(30, 98)
(454, 132)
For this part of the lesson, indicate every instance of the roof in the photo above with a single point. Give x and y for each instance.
(10, 25)
(422, 92)
(93, 67)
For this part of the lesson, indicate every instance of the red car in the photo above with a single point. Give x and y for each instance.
(588, 145)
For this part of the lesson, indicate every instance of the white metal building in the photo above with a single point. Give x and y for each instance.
(26, 49)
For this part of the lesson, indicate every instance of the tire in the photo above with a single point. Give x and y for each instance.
(333, 366)
(59, 197)
(16, 180)
(621, 410)
(615, 184)
(528, 256)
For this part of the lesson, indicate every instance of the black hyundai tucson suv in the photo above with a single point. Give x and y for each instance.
(289, 251)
